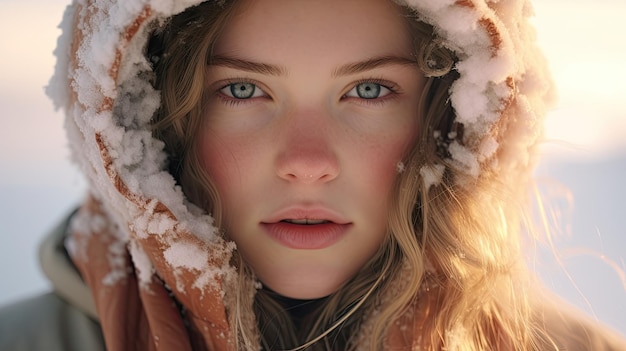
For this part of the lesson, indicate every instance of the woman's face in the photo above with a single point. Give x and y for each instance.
(312, 106)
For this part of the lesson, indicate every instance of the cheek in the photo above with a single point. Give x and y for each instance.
(212, 159)
(385, 158)
(227, 160)
(221, 160)
(385, 165)
(382, 167)
(228, 145)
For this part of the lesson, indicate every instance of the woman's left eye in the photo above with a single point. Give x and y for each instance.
(242, 91)
(369, 90)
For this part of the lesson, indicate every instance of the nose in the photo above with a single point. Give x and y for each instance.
(307, 154)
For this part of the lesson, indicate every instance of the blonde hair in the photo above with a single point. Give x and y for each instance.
(478, 302)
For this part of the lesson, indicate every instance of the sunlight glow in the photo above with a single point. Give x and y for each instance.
(584, 44)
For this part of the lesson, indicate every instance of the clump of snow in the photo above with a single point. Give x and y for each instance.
(150, 222)
(487, 148)
(160, 224)
(226, 273)
(57, 89)
(186, 255)
(464, 159)
(117, 256)
(400, 167)
(87, 224)
(498, 59)
(171, 7)
(143, 266)
(432, 175)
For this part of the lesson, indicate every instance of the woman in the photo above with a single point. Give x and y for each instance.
(322, 175)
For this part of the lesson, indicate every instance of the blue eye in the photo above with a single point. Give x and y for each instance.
(369, 90)
(243, 90)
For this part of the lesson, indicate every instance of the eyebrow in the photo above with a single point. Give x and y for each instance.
(370, 64)
(344, 70)
(249, 66)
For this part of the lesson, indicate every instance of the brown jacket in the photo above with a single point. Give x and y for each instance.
(66, 319)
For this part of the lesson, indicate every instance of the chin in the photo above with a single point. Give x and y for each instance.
(303, 291)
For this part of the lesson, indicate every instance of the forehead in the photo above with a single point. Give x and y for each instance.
(276, 29)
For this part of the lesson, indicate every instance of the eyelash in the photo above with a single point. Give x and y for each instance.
(233, 102)
(393, 91)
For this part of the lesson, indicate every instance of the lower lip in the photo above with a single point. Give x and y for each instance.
(306, 237)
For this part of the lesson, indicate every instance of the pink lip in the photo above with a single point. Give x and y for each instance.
(306, 237)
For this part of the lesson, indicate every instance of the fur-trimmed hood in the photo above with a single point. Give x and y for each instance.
(152, 233)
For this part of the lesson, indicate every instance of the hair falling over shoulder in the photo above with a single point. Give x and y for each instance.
(450, 271)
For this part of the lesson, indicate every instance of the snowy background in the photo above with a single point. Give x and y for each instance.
(583, 167)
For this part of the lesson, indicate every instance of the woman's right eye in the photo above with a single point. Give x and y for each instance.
(242, 91)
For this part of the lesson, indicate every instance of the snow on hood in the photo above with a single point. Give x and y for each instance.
(100, 81)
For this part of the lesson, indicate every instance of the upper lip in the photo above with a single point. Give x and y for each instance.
(305, 212)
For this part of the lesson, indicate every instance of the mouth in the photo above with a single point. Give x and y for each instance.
(306, 221)
(307, 228)
(306, 234)
(307, 216)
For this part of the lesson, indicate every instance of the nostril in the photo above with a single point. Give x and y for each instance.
(307, 167)
(322, 174)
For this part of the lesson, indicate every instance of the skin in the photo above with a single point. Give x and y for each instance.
(305, 144)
